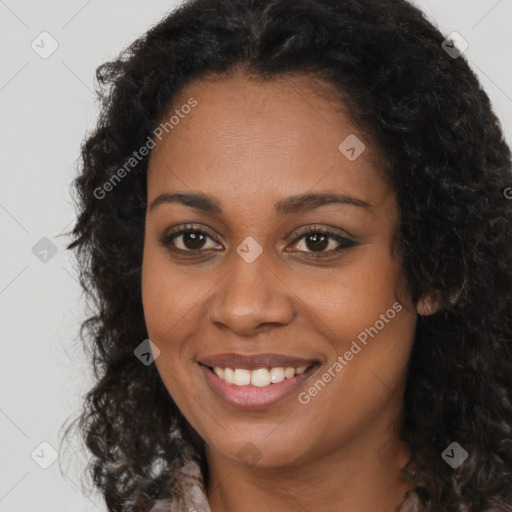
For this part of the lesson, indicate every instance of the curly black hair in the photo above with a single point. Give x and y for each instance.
(449, 165)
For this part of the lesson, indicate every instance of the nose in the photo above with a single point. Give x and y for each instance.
(251, 298)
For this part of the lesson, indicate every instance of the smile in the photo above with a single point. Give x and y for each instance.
(258, 388)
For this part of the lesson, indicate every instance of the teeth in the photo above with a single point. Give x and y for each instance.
(277, 375)
(289, 373)
(228, 375)
(260, 378)
(241, 377)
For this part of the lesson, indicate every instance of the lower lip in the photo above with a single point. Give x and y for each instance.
(253, 397)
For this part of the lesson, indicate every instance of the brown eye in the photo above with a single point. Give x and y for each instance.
(193, 239)
(187, 239)
(315, 241)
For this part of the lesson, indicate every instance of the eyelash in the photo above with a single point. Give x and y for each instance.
(345, 243)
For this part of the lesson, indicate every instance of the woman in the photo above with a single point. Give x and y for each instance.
(293, 219)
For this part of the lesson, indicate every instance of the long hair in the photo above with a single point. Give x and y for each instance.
(450, 168)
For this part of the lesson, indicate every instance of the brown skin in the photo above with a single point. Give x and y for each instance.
(250, 144)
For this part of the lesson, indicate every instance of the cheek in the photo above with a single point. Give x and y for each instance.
(352, 298)
(168, 297)
(367, 367)
(172, 311)
(168, 307)
(358, 312)
(364, 377)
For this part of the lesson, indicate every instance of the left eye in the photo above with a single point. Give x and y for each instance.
(317, 240)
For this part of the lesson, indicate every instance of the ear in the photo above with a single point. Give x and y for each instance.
(427, 306)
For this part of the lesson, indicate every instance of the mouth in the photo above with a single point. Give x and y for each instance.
(256, 388)
(259, 377)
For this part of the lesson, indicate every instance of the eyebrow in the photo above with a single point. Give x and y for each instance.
(293, 204)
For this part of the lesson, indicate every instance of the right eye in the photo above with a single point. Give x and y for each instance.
(190, 238)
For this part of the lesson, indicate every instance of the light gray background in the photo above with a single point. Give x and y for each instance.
(47, 105)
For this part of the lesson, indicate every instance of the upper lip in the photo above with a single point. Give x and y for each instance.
(255, 361)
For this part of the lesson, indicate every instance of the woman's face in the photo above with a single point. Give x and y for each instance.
(246, 278)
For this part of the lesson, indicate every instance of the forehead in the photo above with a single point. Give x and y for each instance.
(246, 137)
